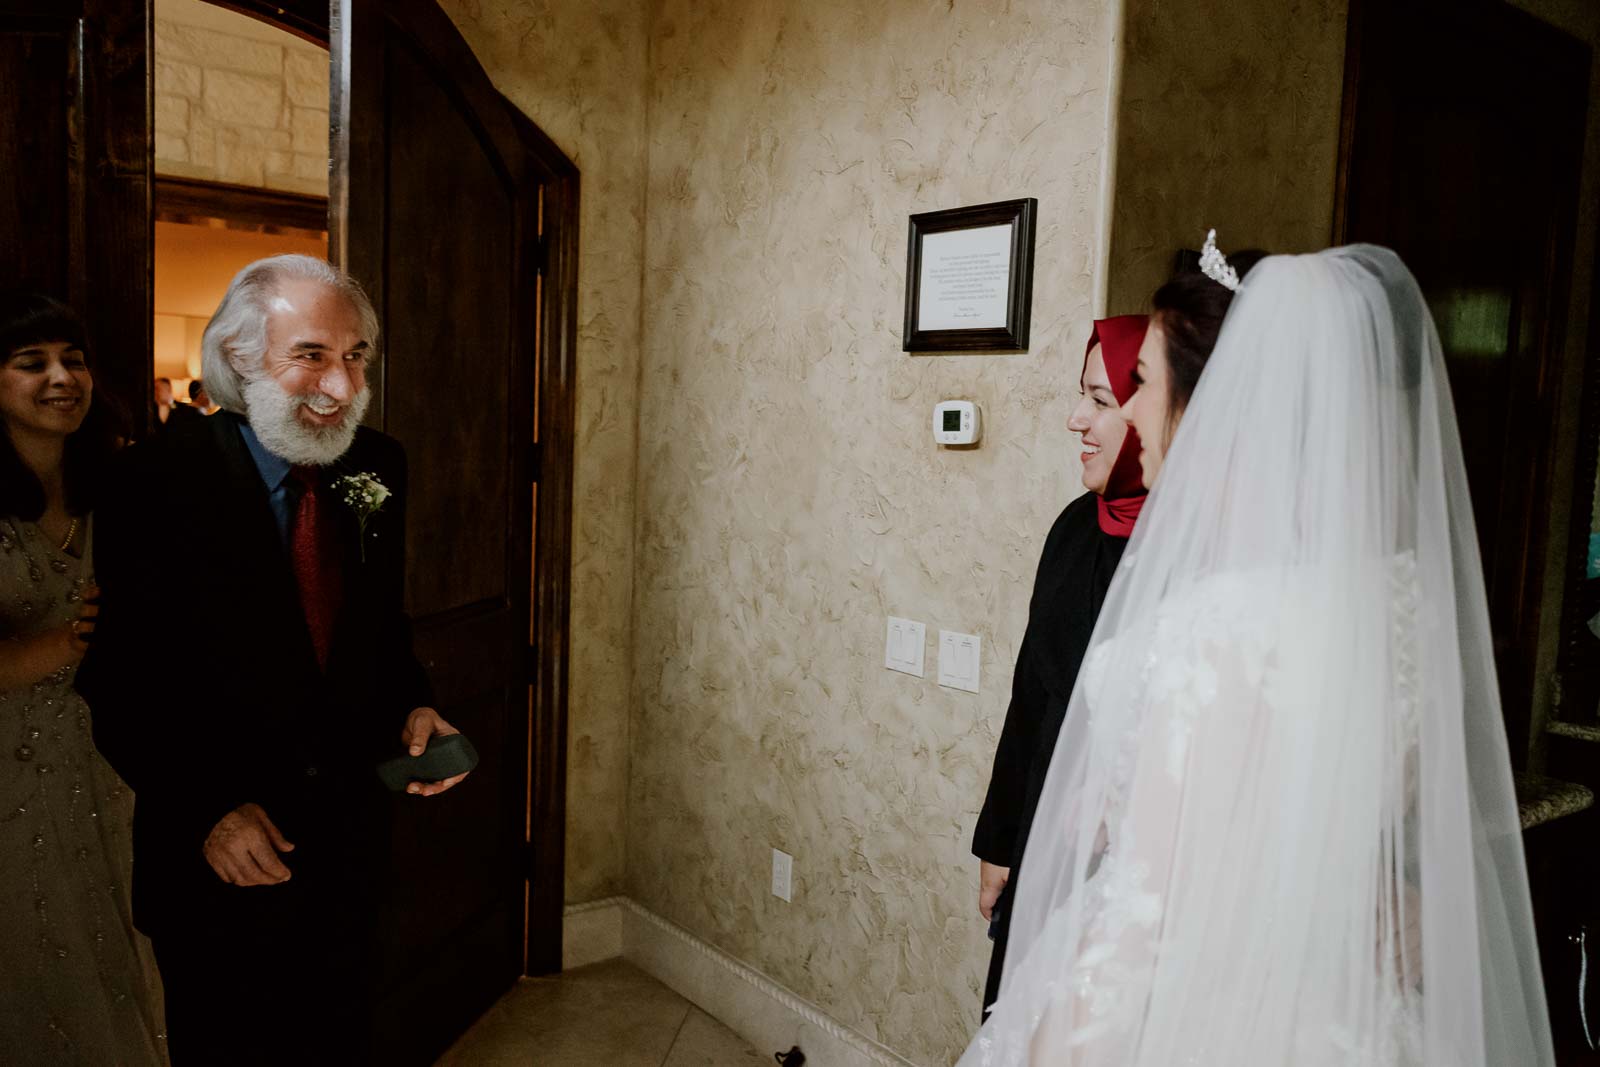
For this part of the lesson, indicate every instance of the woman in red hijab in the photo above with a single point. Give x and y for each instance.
(1080, 556)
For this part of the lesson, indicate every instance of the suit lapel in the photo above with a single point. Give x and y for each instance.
(250, 540)
(264, 573)
(352, 612)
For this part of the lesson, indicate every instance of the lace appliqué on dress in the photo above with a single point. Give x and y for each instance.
(1177, 674)
(1123, 905)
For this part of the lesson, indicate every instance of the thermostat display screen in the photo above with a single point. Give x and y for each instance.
(956, 422)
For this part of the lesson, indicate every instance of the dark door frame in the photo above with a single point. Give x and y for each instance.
(551, 465)
(1521, 656)
(1582, 593)
(306, 19)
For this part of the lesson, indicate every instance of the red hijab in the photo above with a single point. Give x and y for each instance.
(1119, 340)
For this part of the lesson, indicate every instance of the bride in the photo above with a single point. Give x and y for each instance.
(1279, 825)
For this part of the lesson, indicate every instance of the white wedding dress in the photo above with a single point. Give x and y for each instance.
(1279, 826)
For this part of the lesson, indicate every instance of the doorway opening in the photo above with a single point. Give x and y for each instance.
(241, 172)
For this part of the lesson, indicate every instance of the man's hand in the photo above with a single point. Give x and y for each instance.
(243, 848)
(422, 725)
(991, 879)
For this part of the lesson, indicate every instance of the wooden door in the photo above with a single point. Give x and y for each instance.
(1463, 139)
(75, 216)
(437, 203)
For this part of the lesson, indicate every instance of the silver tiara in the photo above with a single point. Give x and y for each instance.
(1214, 265)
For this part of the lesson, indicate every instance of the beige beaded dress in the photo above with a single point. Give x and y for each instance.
(76, 985)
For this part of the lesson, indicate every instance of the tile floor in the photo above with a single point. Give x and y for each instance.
(609, 1014)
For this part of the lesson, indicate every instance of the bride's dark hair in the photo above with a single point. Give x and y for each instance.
(1189, 309)
(30, 318)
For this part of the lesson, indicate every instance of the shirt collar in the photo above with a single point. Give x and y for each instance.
(273, 468)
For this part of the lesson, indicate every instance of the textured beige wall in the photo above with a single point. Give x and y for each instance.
(578, 70)
(791, 496)
(1229, 118)
(238, 101)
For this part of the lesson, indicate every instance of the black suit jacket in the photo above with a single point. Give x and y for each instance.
(250, 716)
(179, 416)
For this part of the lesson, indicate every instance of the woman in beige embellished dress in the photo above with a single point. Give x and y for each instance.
(75, 983)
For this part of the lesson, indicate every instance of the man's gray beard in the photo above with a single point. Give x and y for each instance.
(272, 417)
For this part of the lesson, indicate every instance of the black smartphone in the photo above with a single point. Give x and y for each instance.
(997, 914)
(445, 757)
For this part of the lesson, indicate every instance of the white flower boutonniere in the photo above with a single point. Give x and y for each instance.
(365, 496)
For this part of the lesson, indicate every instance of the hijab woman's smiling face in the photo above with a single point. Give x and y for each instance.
(1099, 422)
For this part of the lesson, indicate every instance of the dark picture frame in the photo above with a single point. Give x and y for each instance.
(928, 330)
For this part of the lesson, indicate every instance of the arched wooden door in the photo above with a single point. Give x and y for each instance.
(459, 217)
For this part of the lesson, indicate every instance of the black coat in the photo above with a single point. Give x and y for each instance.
(213, 698)
(1075, 570)
(178, 416)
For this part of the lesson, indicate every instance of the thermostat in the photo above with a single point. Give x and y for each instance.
(957, 422)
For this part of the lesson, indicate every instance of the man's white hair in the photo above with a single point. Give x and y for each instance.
(235, 341)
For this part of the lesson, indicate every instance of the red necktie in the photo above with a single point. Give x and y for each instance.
(313, 550)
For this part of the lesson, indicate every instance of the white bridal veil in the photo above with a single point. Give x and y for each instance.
(1279, 826)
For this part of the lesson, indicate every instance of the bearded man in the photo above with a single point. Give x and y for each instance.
(260, 821)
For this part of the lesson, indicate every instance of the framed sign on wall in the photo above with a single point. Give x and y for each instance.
(969, 278)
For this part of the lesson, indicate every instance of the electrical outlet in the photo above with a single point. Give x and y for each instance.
(782, 875)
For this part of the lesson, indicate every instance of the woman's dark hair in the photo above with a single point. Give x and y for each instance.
(1189, 310)
(31, 318)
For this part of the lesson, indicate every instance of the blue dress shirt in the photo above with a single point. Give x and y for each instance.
(282, 491)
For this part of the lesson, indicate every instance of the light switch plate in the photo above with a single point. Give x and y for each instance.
(782, 875)
(958, 660)
(903, 650)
